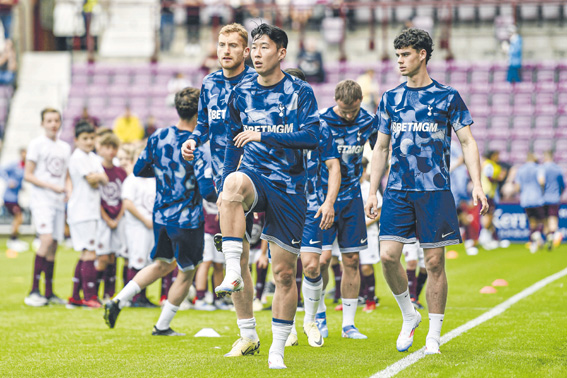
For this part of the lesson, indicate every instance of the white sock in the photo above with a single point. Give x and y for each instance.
(435, 324)
(167, 313)
(280, 331)
(248, 328)
(322, 306)
(293, 329)
(404, 301)
(349, 310)
(311, 290)
(232, 250)
(127, 293)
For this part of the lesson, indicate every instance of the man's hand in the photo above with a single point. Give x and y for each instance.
(371, 208)
(262, 261)
(148, 223)
(478, 195)
(188, 149)
(92, 179)
(327, 213)
(247, 136)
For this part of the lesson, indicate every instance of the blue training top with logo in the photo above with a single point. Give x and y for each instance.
(286, 115)
(327, 150)
(349, 138)
(211, 122)
(180, 185)
(554, 183)
(419, 121)
(531, 192)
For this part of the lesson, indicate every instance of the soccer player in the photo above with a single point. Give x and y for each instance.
(351, 127)
(83, 212)
(414, 256)
(177, 216)
(318, 206)
(111, 229)
(418, 117)
(232, 51)
(554, 185)
(272, 119)
(371, 255)
(13, 174)
(492, 174)
(531, 199)
(46, 169)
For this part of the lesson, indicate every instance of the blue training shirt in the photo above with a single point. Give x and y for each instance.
(211, 124)
(531, 192)
(180, 185)
(286, 115)
(350, 138)
(327, 150)
(13, 174)
(419, 121)
(554, 183)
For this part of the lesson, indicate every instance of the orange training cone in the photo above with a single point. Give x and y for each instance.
(500, 282)
(488, 290)
(451, 255)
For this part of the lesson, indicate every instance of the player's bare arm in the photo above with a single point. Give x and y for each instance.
(129, 205)
(327, 209)
(30, 177)
(379, 161)
(472, 161)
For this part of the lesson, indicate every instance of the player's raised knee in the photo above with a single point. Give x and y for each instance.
(235, 187)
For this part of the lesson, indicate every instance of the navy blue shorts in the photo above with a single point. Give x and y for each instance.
(429, 215)
(349, 227)
(312, 234)
(181, 244)
(285, 212)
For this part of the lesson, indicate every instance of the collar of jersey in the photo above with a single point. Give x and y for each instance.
(433, 82)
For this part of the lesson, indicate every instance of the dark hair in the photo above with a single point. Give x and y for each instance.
(83, 127)
(187, 102)
(297, 72)
(49, 110)
(273, 32)
(348, 91)
(416, 38)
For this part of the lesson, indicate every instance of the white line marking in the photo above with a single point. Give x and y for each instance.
(395, 368)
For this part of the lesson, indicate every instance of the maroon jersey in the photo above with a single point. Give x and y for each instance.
(211, 212)
(257, 227)
(110, 194)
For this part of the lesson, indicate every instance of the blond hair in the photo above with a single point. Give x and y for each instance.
(49, 110)
(110, 139)
(348, 91)
(236, 28)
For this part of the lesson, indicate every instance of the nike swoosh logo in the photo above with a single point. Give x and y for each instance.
(363, 240)
(295, 241)
(320, 340)
(398, 110)
(444, 235)
(314, 242)
(249, 110)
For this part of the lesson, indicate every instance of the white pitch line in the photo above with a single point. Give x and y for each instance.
(395, 368)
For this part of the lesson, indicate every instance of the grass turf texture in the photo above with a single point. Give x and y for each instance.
(525, 341)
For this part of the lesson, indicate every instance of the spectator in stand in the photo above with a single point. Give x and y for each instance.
(310, 61)
(167, 26)
(150, 127)
(193, 8)
(8, 64)
(6, 7)
(128, 127)
(211, 62)
(85, 116)
(177, 83)
(370, 90)
(514, 49)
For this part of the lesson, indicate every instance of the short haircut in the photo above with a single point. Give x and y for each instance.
(110, 139)
(297, 72)
(187, 102)
(417, 39)
(101, 131)
(83, 127)
(348, 91)
(236, 28)
(130, 150)
(49, 110)
(273, 32)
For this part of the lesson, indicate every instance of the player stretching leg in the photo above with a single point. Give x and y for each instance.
(272, 119)
(232, 51)
(351, 127)
(178, 213)
(317, 207)
(418, 117)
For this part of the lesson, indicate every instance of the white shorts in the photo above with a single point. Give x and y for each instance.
(48, 220)
(413, 252)
(210, 252)
(109, 240)
(371, 255)
(254, 256)
(335, 251)
(83, 235)
(140, 242)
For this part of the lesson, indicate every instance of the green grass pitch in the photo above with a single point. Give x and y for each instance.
(527, 340)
